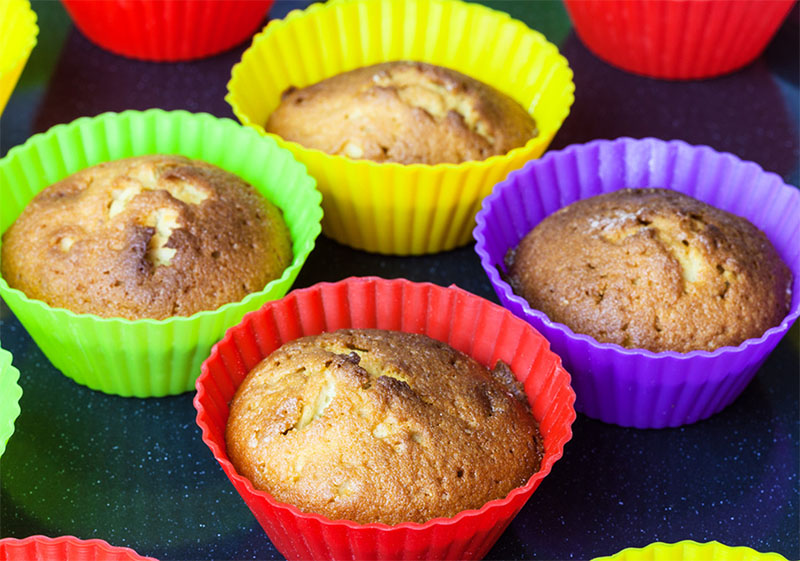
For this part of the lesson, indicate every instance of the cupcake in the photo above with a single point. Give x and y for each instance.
(146, 237)
(652, 269)
(10, 394)
(677, 40)
(691, 551)
(18, 32)
(634, 386)
(469, 324)
(148, 357)
(404, 112)
(389, 207)
(167, 30)
(64, 548)
(345, 423)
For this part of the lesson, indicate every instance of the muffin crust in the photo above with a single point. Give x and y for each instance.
(146, 237)
(405, 112)
(652, 269)
(381, 426)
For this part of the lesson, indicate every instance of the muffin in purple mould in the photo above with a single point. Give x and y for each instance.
(638, 387)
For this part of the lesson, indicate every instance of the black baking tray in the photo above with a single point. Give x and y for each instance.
(135, 472)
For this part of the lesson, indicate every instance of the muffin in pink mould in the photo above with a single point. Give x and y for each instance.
(677, 39)
(468, 323)
(629, 386)
(167, 30)
(64, 548)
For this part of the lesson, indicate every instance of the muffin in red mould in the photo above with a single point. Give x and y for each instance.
(64, 548)
(168, 30)
(677, 39)
(466, 322)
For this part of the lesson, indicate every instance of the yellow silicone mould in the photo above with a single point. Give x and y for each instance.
(18, 32)
(388, 207)
(691, 551)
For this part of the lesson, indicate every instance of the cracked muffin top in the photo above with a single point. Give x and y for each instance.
(146, 237)
(405, 112)
(652, 269)
(381, 426)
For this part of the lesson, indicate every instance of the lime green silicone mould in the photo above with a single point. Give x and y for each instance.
(10, 394)
(149, 358)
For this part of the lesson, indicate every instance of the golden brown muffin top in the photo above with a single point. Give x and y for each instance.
(652, 269)
(146, 237)
(381, 426)
(405, 112)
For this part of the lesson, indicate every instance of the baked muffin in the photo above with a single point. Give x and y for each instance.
(146, 237)
(381, 426)
(405, 112)
(652, 269)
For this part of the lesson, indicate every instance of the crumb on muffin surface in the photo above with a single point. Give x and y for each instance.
(652, 269)
(405, 112)
(146, 237)
(381, 426)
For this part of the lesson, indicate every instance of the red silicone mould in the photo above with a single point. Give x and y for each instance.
(475, 326)
(167, 30)
(677, 39)
(64, 548)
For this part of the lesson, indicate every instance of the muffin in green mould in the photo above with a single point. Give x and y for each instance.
(10, 394)
(151, 358)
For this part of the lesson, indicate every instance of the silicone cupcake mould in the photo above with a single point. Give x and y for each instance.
(147, 357)
(64, 548)
(167, 30)
(691, 551)
(18, 32)
(10, 394)
(389, 207)
(471, 324)
(635, 387)
(677, 39)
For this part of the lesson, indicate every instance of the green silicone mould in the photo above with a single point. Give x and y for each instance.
(10, 393)
(150, 358)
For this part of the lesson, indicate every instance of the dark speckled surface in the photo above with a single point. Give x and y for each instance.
(135, 472)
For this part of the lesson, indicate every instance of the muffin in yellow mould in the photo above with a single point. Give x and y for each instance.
(691, 551)
(389, 207)
(148, 357)
(18, 33)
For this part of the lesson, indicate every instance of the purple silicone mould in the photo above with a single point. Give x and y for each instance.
(636, 387)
